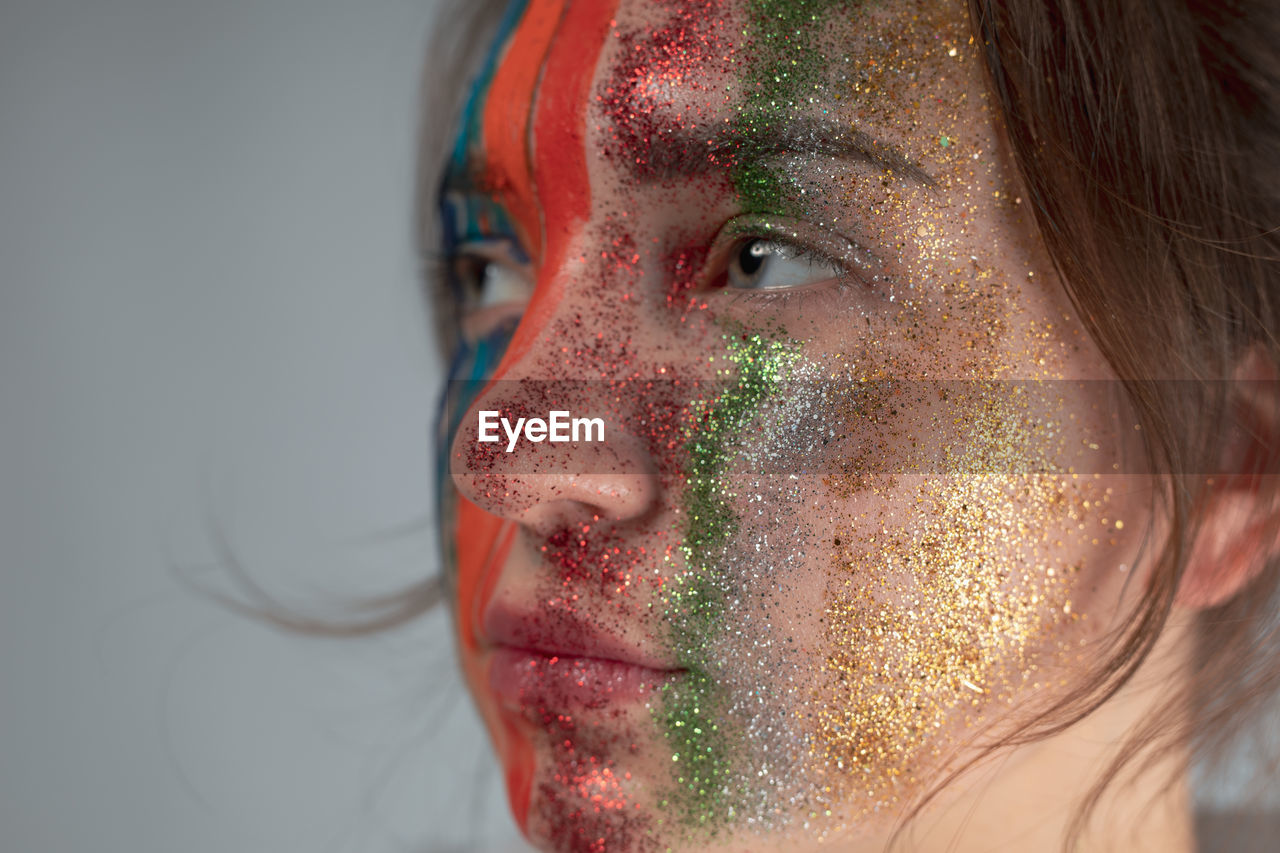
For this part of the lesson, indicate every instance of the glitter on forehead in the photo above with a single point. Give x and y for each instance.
(659, 83)
(784, 72)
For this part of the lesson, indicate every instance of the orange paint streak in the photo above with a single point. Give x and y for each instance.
(559, 169)
(483, 542)
(507, 110)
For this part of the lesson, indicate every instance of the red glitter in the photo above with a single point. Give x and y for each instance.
(585, 807)
(656, 63)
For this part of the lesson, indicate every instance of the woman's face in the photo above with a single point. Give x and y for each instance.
(854, 500)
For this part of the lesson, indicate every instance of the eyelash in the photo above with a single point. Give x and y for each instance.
(441, 266)
(792, 297)
(448, 266)
(744, 234)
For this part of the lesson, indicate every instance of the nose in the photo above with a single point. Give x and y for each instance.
(506, 458)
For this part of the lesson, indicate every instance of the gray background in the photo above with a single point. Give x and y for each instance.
(211, 330)
(210, 326)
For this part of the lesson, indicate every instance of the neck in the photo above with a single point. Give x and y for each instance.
(1028, 800)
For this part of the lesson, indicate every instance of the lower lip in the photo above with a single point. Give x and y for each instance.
(529, 680)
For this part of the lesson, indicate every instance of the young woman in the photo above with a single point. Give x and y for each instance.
(862, 420)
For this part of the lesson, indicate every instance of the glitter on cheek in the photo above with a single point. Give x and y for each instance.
(944, 598)
(696, 714)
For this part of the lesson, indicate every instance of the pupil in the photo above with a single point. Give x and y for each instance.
(751, 257)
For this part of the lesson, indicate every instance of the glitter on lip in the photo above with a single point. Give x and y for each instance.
(565, 635)
(527, 680)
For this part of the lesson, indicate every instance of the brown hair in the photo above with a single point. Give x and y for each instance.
(1147, 135)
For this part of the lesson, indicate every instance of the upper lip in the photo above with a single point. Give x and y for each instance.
(564, 635)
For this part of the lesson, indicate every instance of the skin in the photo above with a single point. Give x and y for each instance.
(841, 533)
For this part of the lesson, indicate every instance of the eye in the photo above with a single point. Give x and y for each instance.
(761, 264)
(492, 285)
(769, 256)
(491, 273)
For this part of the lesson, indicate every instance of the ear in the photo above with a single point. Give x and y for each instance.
(1240, 510)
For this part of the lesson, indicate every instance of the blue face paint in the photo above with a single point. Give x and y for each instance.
(470, 133)
(466, 212)
(469, 215)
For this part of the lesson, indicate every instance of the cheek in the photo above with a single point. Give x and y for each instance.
(941, 611)
(899, 567)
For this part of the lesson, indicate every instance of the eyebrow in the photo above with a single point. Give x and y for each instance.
(682, 153)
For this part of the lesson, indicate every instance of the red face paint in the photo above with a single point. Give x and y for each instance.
(483, 543)
(507, 119)
(535, 158)
(547, 158)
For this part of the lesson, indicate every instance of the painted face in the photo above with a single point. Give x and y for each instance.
(841, 491)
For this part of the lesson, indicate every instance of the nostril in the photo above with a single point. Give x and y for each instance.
(582, 498)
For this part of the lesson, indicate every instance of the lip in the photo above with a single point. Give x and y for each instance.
(562, 634)
(528, 680)
(557, 662)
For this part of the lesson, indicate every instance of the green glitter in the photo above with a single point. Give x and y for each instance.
(945, 141)
(786, 65)
(701, 747)
(763, 188)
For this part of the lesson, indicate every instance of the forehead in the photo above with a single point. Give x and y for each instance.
(647, 69)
